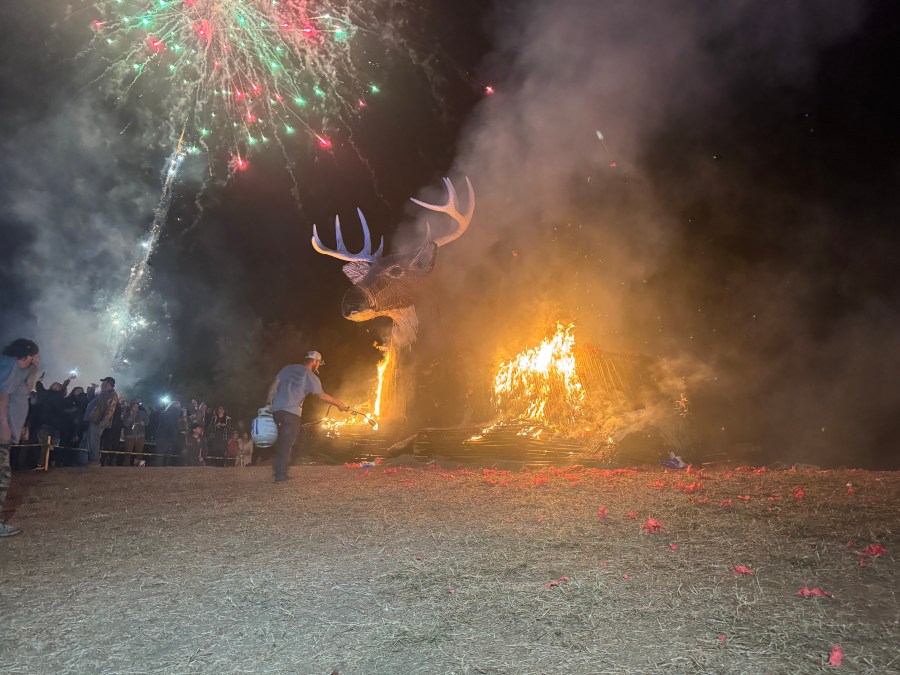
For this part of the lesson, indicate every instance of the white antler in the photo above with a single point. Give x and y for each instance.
(341, 252)
(451, 208)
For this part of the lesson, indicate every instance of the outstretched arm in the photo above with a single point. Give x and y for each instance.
(331, 400)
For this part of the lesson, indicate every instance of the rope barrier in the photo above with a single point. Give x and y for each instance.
(48, 448)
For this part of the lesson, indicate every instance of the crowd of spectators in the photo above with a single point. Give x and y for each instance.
(132, 434)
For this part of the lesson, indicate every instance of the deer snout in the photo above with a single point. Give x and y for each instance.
(356, 305)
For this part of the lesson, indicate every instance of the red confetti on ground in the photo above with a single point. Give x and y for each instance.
(674, 547)
(539, 480)
(657, 484)
(722, 638)
(725, 502)
(602, 512)
(799, 493)
(632, 514)
(874, 550)
(626, 577)
(693, 487)
(652, 525)
(774, 499)
(390, 471)
(604, 563)
(740, 569)
(806, 592)
(705, 500)
(452, 590)
(850, 490)
(837, 656)
(746, 498)
(557, 582)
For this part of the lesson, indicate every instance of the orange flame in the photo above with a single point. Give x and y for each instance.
(382, 367)
(332, 426)
(541, 383)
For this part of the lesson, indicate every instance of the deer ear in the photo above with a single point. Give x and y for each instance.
(356, 271)
(423, 262)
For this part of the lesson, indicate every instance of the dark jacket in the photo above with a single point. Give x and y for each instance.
(135, 424)
(103, 409)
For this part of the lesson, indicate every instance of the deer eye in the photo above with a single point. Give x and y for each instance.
(394, 271)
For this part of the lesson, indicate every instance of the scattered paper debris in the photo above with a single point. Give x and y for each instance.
(837, 656)
(652, 525)
(807, 592)
(874, 550)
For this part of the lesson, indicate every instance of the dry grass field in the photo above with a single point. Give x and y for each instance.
(430, 569)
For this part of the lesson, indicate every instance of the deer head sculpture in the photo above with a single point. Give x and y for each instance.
(387, 285)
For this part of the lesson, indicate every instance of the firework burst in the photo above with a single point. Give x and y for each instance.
(240, 73)
(228, 76)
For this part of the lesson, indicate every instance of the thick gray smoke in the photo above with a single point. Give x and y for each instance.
(80, 197)
(573, 224)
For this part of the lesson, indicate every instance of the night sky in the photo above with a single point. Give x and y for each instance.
(737, 221)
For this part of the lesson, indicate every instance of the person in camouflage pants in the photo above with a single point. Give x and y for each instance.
(18, 372)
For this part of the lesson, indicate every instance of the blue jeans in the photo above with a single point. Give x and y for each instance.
(288, 428)
(93, 445)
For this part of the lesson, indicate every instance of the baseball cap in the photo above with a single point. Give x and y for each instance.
(21, 348)
(317, 356)
(111, 380)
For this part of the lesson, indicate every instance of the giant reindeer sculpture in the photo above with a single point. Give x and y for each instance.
(387, 285)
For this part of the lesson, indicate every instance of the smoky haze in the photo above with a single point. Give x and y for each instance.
(649, 173)
(80, 225)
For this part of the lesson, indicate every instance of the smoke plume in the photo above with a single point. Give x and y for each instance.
(625, 181)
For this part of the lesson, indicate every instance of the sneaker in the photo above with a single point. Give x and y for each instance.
(9, 530)
(282, 479)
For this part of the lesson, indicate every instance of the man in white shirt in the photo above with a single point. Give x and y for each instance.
(291, 386)
(18, 373)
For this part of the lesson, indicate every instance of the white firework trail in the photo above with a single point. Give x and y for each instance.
(125, 316)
